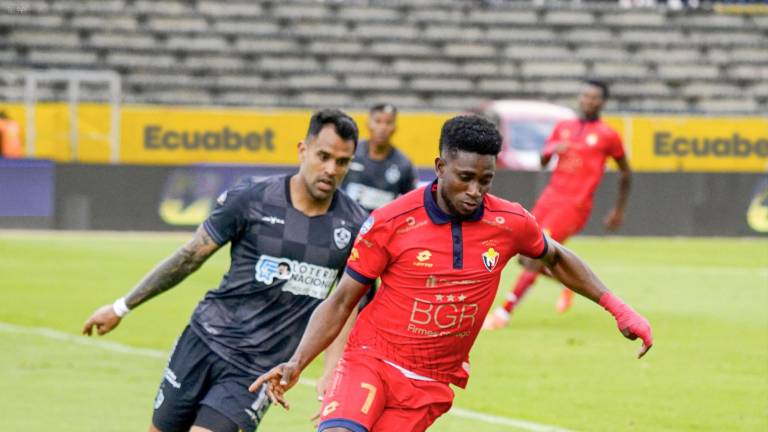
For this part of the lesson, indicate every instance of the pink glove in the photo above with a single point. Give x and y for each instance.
(631, 324)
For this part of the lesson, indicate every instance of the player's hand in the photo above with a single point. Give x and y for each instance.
(613, 220)
(561, 147)
(636, 326)
(630, 323)
(104, 319)
(278, 381)
(320, 387)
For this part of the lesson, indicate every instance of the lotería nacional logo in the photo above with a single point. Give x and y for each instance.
(490, 259)
(300, 278)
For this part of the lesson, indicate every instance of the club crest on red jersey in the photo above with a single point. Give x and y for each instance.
(591, 140)
(490, 259)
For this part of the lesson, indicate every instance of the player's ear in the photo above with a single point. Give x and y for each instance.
(439, 167)
(302, 148)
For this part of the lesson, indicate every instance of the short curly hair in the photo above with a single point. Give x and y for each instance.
(470, 133)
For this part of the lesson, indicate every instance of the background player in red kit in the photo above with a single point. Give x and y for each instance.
(582, 146)
(439, 251)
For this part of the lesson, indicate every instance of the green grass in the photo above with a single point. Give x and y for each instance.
(706, 300)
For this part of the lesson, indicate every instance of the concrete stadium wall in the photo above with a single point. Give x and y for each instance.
(134, 197)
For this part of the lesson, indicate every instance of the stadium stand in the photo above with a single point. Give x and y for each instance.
(425, 54)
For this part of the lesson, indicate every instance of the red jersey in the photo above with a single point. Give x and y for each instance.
(439, 277)
(580, 168)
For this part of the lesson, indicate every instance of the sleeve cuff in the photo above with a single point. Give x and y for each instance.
(213, 233)
(365, 280)
(546, 247)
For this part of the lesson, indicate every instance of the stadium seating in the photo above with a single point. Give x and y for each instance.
(425, 54)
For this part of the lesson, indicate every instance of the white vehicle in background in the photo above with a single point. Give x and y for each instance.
(525, 127)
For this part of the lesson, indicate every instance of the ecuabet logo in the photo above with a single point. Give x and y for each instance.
(490, 259)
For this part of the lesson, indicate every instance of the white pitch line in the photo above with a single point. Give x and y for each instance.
(155, 353)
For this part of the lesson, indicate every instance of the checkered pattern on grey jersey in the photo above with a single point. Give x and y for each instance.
(255, 319)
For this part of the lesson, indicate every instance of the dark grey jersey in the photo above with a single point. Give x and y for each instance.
(283, 265)
(375, 183)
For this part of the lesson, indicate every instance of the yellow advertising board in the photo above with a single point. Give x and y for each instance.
(716, 144)
(183, 136)
(177, 135)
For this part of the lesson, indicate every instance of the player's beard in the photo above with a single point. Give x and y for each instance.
(316, 193)
(452, 209)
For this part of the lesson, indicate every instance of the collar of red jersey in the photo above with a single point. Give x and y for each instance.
(438, 216)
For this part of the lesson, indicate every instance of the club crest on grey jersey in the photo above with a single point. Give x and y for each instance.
(341, 237)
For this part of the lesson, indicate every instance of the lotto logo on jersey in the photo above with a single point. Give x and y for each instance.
(490, 259)
(300, 278)
(422, 259)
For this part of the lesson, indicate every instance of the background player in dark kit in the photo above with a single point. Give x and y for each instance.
(290, 237)
(380, 172)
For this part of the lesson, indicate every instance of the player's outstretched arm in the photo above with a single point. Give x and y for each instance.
(615, 218)
(325, 324)
(574, 273)
(165, 276)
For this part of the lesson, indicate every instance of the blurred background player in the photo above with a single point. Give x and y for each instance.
(440, 252)
(380, 172)
(581, 147)
(10, 137)
(253, 320)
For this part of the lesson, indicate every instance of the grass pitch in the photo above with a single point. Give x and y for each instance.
(705, 298)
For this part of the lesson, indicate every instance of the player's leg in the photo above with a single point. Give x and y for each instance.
(553, 220)
(185, 382)
(572, 224)
(414, 405)
(500, 316)
(228, 406)
(210, 420)
(356, 397)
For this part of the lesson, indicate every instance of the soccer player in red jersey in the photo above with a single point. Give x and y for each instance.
(439, 251)
(582, 146)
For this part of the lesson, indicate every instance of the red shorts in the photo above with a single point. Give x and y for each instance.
(560, 219)
(367, 394)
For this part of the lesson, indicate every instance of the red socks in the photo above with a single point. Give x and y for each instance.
(523, 284)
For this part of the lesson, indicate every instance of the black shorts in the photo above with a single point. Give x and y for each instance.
(197, 376)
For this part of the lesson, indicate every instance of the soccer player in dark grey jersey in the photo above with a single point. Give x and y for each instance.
(380, 172)
(290, 238)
